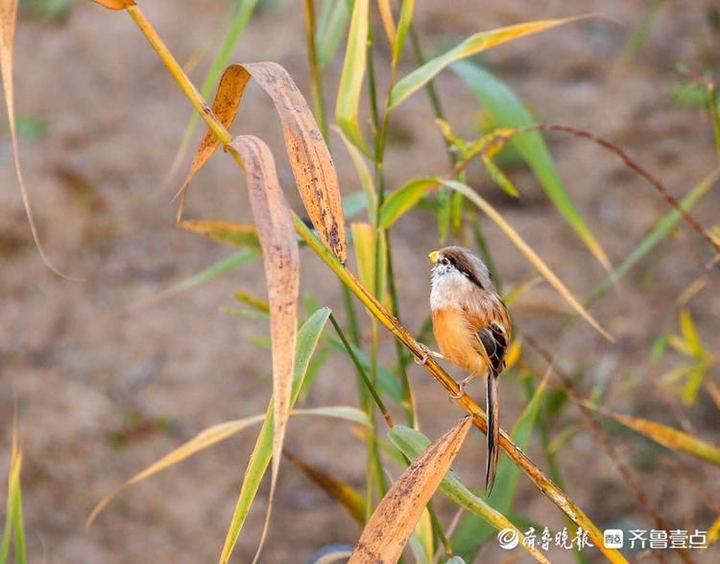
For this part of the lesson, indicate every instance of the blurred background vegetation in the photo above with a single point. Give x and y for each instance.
(161, 340)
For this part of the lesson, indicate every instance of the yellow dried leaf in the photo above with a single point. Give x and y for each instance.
(282, 272)
(309, 157)
(242, 235)
(341, 492)
(225, 106)
(670, 437)
(394, 519)
(310, 160)
(115, 4)
(387, 21)
(8, 18)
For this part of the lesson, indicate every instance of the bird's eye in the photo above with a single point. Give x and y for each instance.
(444, 261)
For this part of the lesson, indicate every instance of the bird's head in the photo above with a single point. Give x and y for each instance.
(457, 263)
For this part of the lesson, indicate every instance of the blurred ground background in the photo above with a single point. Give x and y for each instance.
(100, 392)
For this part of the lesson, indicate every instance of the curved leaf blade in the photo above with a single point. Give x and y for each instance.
(241, 235)
(363, 174)
(310, 160)
(214, 435)
(347, 105)
(404, 199)
(473, 45)
(667, 436)
(346, 412)
(203, 440)
(216, 269)
(659, 232)
(529, 254)
(334, 17)
(224, 106)
(406, 13)
(8, 20)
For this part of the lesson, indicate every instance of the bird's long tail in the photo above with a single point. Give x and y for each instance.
(493, 431)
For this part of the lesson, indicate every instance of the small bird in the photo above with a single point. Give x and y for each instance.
(472, 328)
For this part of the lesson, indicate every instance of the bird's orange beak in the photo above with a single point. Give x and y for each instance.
(433, 256)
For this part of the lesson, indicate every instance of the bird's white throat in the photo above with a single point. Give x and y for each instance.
(447, 287)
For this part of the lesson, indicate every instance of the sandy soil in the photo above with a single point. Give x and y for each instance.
(80, 369)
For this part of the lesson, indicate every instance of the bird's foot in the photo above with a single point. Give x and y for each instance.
(422, 361)
(461, 391)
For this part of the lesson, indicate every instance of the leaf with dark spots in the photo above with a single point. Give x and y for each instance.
(225, 106)
(310, 160)
(395, 517)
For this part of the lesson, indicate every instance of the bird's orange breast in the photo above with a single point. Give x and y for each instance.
(456, 340)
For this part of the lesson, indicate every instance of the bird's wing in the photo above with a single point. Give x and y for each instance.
(494, 342)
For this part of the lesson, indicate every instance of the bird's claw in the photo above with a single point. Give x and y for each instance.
(425, 357)
(461, 391)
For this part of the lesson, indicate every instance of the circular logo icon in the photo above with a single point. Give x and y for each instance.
(508, 538)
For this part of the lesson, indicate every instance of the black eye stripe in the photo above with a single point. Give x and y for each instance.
(465, 271)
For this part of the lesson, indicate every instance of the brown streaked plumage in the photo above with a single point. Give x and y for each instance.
(472, 328)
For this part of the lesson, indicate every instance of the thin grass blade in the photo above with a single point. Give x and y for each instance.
(215, 270)
(8, 19)
(363, 173)
(14, 522)
(364, 236)
(216, 434)
(386, 16)
(404, 21)
(244, 12)
(203, 440)
(499, 178)
(346, 412)
(658, 233)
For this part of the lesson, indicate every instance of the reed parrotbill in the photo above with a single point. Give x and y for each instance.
(472, 328)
